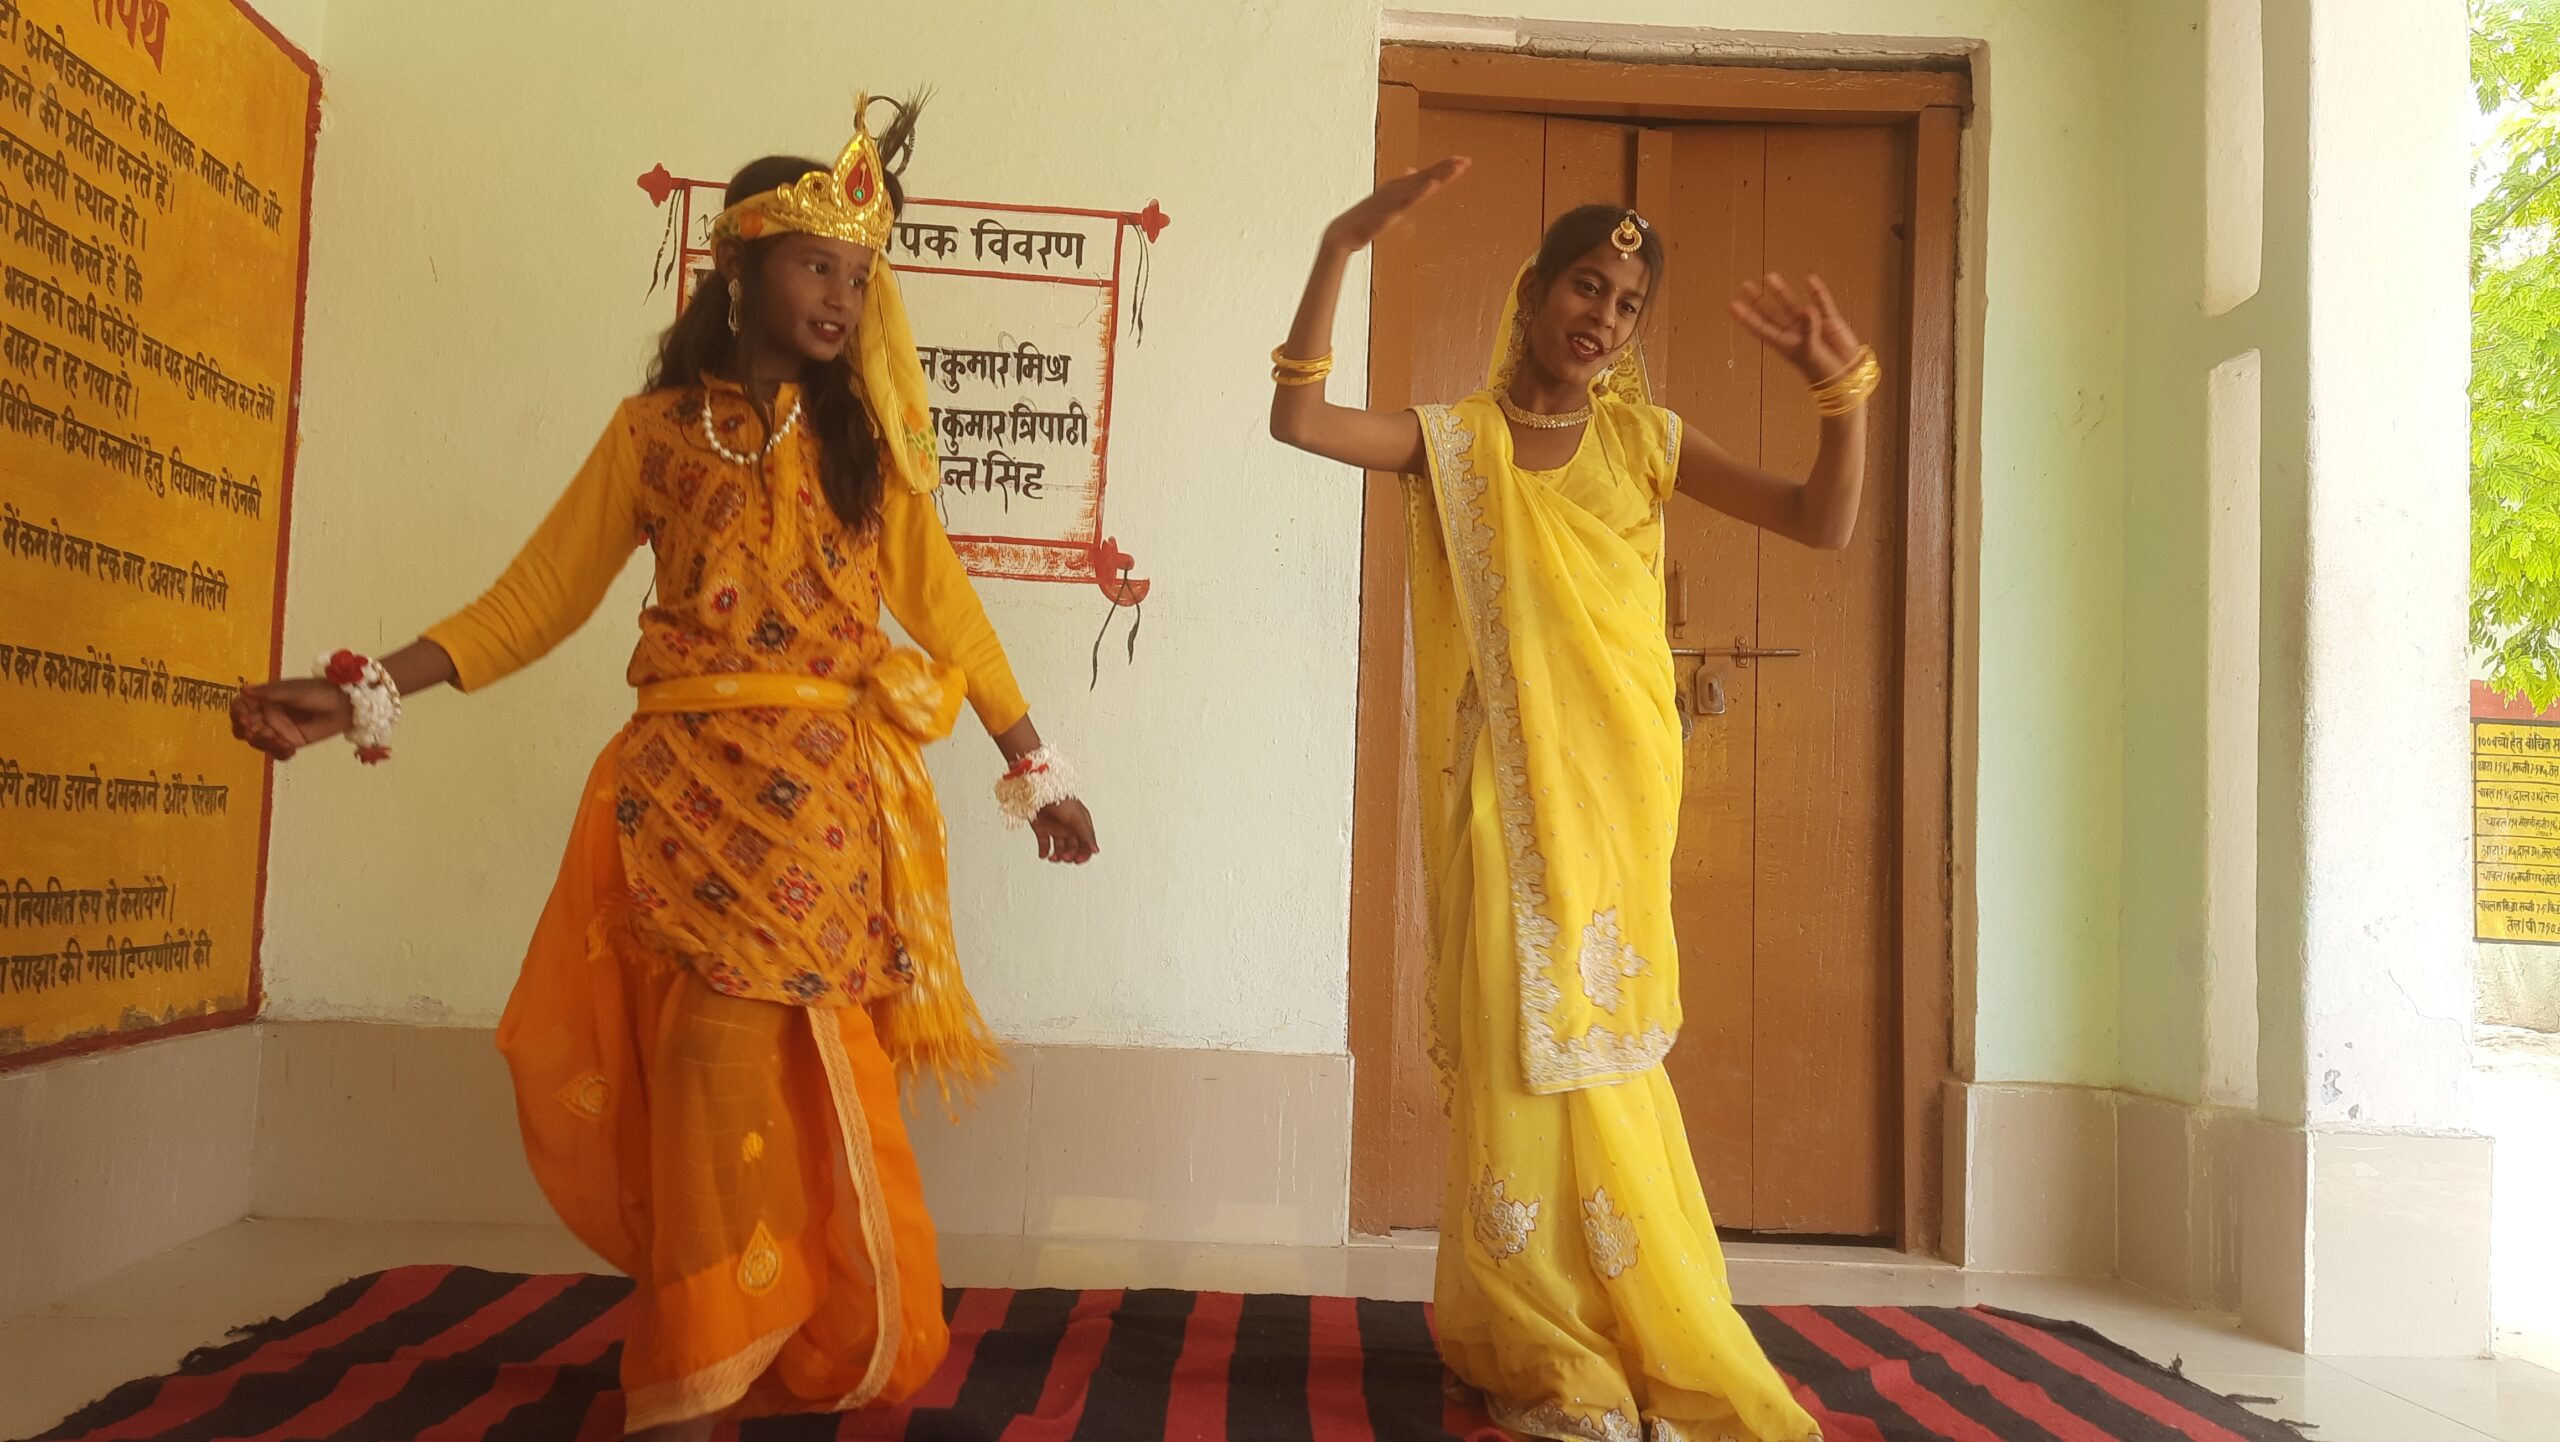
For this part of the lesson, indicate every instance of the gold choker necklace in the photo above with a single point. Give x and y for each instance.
(1537, 422)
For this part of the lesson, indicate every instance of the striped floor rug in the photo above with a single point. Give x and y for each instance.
(453, 1353)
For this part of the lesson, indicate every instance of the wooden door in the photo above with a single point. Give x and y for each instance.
(1785, 886)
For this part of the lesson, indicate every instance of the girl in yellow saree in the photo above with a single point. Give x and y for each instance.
(1581, 1288)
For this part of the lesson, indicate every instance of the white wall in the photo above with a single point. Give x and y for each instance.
(477, 305)
(303, 22)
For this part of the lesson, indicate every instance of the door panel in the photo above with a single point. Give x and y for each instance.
(1828, 1132)
(1711, 223)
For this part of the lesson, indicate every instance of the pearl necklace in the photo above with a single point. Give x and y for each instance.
(1537, 422)
(741, 458)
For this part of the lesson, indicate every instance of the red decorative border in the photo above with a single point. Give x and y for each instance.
(2488, 705)
(1094, 558)
(219, 1020)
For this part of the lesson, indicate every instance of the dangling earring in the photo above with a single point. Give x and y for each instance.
(735, 290)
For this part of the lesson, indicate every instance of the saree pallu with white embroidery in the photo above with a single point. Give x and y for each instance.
(1580, 1285)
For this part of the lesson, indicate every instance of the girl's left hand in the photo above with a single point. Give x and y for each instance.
(1065, 831)
(1809, 333)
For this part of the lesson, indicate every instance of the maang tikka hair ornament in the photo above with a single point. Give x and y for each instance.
(1628, 238)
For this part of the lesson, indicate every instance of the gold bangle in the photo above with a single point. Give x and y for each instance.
(1860, 378)
(1832, 408)
(1288, 371)
(1851, 388)
(1848, 374)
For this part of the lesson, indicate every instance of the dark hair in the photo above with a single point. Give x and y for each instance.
(1586, 228)
(700, 342)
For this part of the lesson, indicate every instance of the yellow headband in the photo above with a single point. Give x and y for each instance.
(848, 203)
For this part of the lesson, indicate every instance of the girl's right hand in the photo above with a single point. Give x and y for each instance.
(1359, 227)
(281, 717)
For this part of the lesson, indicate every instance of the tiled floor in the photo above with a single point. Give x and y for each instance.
(143, 1320)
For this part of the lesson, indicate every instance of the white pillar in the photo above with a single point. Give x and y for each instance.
(2396, 1235)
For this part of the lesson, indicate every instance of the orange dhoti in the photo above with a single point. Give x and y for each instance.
(742, 1160)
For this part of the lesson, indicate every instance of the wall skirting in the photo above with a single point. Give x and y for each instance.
(2344, 1243)
(106, 1160)
(370, 1122)
(2338, 1242)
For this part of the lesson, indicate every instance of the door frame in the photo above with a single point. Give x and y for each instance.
(1934, 105)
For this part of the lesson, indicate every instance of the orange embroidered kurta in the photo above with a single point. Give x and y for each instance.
(752, 840)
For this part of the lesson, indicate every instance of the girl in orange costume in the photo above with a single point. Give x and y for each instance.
(749, 944)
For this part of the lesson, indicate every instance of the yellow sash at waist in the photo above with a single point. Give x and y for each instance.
(743, 693)
(906, 691)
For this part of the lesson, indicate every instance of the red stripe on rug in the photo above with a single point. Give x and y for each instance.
(498, 1316)
(1070, 1382)
(2016, 1393)
(1834, 1426)
(604, 1420)
(521, 1383)
(184, 1399)
(1196, 1402)
(590, 1342)
(1891, 1379)
(356, 1393)
(373, 1382)
(1337, 1399)
(2152, 1404)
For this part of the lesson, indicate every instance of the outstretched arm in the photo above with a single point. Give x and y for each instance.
(553, 586)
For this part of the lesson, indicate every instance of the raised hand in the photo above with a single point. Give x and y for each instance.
(1359, 227)
(1808, 332)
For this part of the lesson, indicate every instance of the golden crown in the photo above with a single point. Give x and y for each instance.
(848, 203)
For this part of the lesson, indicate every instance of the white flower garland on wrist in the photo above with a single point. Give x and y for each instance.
(374, 697)
(1039, 780)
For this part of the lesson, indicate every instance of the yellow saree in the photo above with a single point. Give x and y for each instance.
(1580, 1285)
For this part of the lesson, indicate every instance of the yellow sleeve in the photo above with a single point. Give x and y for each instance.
(557, 580)
(925, 587)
